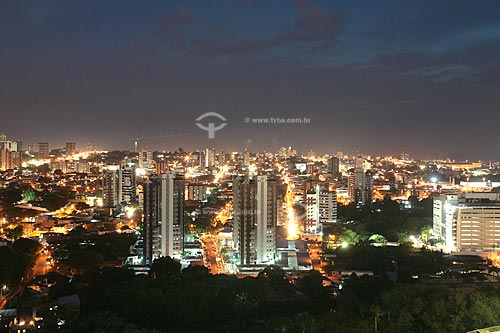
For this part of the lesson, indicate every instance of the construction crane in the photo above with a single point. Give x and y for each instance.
(139, 138)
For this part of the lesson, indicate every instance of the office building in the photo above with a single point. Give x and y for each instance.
(255, 214)
(163, 216)
(439, 218)
(468, 222)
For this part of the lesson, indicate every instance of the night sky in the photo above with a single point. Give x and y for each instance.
(376, 77)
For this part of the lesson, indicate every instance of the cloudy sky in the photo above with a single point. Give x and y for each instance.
(376, 77)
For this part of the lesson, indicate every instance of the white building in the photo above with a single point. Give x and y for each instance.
(321, 207)
(468, 222)
(111, 186)
(255, 214)
(163, 216)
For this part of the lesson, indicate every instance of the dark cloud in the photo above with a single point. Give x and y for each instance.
(173, 27)
(317, 27)
(476, 63)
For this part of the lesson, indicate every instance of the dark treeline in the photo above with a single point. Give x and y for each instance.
(17, 261)
(168, 300)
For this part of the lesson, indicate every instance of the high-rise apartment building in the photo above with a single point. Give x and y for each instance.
(43, 150)
(209, 158)
(321, 207)
(10, 155)
(163, 216)
(119, 184)
(360, 186)
(146, 160)
(255, 214)
(334, 166)
(197, 192)
(405, 156)
(111, 186)
(128, 183)
(70, 148)
(246, 157)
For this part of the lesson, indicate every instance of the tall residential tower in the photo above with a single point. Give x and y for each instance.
(163, 216)
(255, 211)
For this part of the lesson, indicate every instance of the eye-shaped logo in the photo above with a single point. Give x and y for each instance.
(211, 128)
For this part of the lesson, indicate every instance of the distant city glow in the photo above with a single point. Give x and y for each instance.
(221, 173)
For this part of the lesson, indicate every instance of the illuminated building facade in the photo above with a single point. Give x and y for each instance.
(43, 150)
(110, 186)
(468, 222)
(360, 186)
(70, 148)
(128, 183)
(334, 166)
(255, 214)
(163, 216)
(196, 192)
(321, 207)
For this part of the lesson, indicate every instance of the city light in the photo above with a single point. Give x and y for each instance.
(335, 166)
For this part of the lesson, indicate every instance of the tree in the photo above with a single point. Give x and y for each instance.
(165, 266)
(62, 289)
(281, 324)
(106, 322)
(274, 274)
(53, 201)
(10, 196)
(13, 265)
(16, 233)
(403, 239)
(377, 239)
(27, 246)
(78, 231)
(312, 284)
(82, 206)
(304, 322)
(29, 195)
(196, 272)
(350, 237)
(84, 261)
(275, 277)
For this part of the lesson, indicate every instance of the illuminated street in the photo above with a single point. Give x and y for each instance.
(212, 258)
(249, 166)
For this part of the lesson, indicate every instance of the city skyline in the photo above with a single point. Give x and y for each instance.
(375, 78)
(249, 165)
